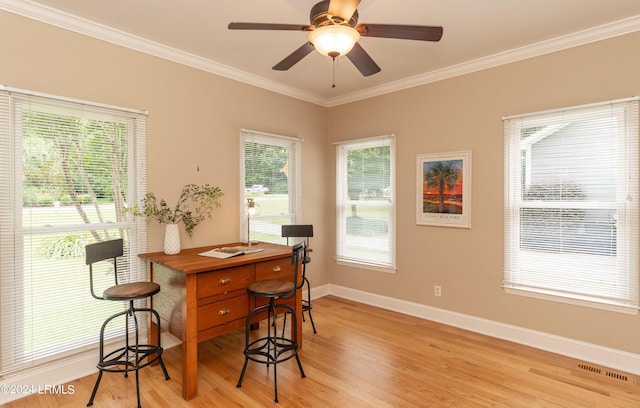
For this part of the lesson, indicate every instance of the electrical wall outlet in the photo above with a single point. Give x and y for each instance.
(437, 290)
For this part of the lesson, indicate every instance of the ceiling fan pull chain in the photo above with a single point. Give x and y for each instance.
(333, 63)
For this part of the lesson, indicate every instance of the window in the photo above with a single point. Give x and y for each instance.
(68, 168)
(365, 207)
(270, 176)
(571, 205)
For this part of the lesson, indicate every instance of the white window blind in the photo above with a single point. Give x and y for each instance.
(571, 204)
(68, 168)
(365, 204)
(270, 176)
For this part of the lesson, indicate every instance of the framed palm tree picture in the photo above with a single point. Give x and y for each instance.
(443, 189)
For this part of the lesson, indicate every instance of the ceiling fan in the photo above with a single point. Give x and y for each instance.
(335, 31)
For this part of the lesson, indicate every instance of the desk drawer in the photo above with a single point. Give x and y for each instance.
(222, 282)
(222, 312)
(275, 269)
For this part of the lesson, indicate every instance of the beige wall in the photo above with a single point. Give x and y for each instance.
(195, 119)
(466, 113)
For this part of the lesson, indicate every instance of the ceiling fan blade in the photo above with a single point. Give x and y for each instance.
(365, 64)
(267, 26)
(403, 32)
(343, 8)
(293, 58)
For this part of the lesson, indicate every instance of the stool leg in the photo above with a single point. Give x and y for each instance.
(294, 319)
(289, 309)
(309, 305)
(284, 322)
(138, 387)
(312, 324)
(306, 307)
(271, 321)
(136, 351)
(246, 346)
(158, 332)
(126, 336)
(95, 389)
(272, 311)
(244, 368)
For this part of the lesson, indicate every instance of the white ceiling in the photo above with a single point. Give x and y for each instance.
(477, 34)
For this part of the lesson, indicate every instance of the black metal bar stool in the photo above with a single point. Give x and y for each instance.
(274, 349)
(302, 231)
(129, 357)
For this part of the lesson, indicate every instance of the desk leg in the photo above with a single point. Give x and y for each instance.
(152, 337)
(190, 340)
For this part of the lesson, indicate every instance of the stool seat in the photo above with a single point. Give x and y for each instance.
(271, 288)
(131, 291)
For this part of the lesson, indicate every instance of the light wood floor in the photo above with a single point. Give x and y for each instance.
(363, 356)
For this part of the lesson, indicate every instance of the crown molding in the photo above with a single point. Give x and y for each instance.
(599, 33)
(79, 25)
(89, 28)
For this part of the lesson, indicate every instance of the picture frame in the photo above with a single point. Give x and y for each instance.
(443, 189)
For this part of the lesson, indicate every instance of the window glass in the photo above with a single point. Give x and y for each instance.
(571, 213)
(365, 202)
(271, 180)
(69, 169)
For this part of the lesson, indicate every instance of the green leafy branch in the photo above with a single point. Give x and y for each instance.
(194, 205)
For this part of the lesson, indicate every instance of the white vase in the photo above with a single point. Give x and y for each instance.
(171, 239)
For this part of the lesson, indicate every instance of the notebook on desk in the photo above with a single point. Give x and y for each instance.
(228, 252)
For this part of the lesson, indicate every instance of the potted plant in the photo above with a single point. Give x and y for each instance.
(194, 205)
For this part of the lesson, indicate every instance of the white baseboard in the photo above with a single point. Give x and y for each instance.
(607, 357)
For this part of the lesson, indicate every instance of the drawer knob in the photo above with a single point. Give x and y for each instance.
(276, 269)
(224, 311)
(224, 281)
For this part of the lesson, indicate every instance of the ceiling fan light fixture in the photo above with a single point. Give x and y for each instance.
(334, 40)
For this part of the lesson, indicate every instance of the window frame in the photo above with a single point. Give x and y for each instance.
(12, 233)
(517, 174)
(294, 166)
(343, 203)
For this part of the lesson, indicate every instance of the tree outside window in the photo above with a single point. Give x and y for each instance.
(365, 202)
(71, 168)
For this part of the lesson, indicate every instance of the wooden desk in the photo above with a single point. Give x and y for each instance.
(203, 297)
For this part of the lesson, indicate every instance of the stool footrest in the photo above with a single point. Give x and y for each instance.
(126, 359)
(270, 350)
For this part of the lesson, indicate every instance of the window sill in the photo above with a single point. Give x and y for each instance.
(611, 307)
(364, 265)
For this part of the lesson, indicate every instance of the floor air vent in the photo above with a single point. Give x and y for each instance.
(617, 376)
(607, 373)
(592, 369)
